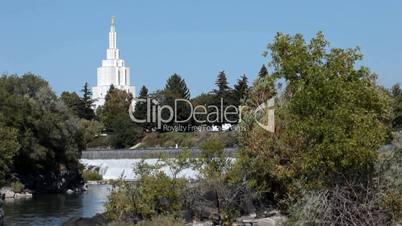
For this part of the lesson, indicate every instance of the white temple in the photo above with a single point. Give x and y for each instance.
(112, 72)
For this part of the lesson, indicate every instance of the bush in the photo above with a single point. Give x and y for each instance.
(342, 206)
(152, 194)
(376, 203)
(162, 220)
(91, 175)
(154, 221)
(17, 187)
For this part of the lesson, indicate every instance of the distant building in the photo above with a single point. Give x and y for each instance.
(112, 71)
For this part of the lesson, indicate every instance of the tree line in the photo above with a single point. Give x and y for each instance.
(334, 158)
(112, 118)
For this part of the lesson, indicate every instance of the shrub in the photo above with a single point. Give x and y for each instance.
(162, 220)
(375, 203)
(152, 194)
(91, 175)
(17, 186)
(342, 206)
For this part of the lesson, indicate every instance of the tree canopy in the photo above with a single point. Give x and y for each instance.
(330, 118)
(38, 125)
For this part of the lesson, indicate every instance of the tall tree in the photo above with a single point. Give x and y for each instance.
(241, 89)
(141, 110)
(330, 121)
(114, 114)
(223, 96)
(116, 101)
(87, 111)
(396, 94)
(176, 89)
(222, 85)
(47, 132)
(263, 72)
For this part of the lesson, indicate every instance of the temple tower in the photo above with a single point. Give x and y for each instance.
(112, 71)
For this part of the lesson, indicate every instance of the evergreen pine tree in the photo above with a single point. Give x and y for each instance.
(222, 85)
(175, 89)
(225, 94)
(141, 109)
(241, 89)
(87, 111)
(263, 72)
(396, 94)
(176, 86)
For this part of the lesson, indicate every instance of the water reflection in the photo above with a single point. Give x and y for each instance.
(54, 209)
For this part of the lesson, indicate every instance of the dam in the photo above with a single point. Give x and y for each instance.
(119, 164)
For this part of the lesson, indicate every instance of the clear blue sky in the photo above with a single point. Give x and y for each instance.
(65, 41)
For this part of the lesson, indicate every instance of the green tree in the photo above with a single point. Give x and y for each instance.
(241, 90)
(263, 72)
(91, 128)
(224, 95)
(396, 94)
(125, 132)
(174, 94)
(73, 102)
(141, 110)
(8, 149)
(329, 121)
(116, 101)
(87, 102)
(221, 83)
(114, 114)
(205, 100)
(177, 87)
(47, 132)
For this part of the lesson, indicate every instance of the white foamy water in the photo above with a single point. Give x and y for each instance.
(123, 168)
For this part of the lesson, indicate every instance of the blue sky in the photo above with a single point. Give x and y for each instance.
(65, 41)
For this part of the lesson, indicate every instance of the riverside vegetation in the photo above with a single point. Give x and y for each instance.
(334, 158)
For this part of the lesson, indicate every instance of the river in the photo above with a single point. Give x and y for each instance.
(54, 209)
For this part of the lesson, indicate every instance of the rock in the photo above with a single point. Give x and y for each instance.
(272, 213)
(85, 187)
(206, 223)
(22, 195)
(97, 220)
(272, 221)
(275, 219)
(7, 193)
(69, 191)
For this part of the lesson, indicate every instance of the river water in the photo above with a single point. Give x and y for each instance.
(54, 209)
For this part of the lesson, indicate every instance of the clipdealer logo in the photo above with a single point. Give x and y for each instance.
(264, 114)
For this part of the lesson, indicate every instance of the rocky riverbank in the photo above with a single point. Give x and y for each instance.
(8, 193)
(271, 218)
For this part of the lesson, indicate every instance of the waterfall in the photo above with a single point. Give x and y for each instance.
(123, 168)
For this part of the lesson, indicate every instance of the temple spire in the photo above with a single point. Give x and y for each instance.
(112, 34)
